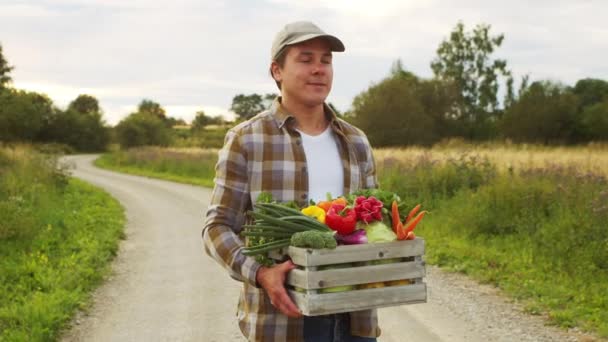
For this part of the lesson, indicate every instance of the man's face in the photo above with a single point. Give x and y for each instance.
(307, 75)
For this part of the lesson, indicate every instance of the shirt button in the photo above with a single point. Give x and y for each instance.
(304, 195)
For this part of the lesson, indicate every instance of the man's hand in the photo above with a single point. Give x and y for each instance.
(272, 279)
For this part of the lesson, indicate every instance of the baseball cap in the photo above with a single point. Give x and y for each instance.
(301, 31)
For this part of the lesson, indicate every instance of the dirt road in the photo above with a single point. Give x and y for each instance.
(165, 288)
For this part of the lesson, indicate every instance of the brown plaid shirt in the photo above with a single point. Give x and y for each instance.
(265, 153)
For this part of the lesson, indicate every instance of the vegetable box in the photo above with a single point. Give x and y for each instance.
(356, 277)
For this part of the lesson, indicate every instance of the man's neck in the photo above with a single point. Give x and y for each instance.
(310, 120)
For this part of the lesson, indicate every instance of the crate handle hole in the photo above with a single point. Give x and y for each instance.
(381, 254)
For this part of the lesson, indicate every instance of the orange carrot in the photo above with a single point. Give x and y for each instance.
(395, 216)
(410, 236)
(400, 232)
(412, 213)
(412, 224)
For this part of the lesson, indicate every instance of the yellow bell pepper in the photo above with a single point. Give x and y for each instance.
(316, 212)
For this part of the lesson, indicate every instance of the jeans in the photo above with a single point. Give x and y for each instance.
(331, 328)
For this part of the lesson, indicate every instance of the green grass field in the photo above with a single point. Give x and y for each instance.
(190, 166)
(57, 236)
(525, 219)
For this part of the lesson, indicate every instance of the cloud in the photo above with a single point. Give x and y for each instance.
(200, 54)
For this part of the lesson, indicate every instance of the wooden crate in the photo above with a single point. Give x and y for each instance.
(319, 269)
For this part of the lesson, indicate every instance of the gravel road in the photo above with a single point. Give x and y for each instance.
(164, 287)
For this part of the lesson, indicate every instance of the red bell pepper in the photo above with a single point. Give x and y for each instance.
(341, 219)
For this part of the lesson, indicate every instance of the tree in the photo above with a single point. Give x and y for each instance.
(5, 70)
(246, 106)
(142, 128)
(81, 126)
(85, 104)
(172, 122)
(268, 99)
(23, 115)
(511, 97)
(200, 121)
(85, 133)
(594, 121)
(151, 107)
(465, 60)
(546, 113)
(403, 110)
(590, 91)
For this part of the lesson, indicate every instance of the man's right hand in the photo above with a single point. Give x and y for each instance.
(272, 279)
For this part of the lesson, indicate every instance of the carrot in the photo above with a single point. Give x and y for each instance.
(410, 236)
(400, 232)
(412, 224)
(412, 213)
(395, 216)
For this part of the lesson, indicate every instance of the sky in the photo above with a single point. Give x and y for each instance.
(192, 55)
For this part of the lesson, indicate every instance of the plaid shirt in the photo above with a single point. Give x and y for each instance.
(265, 153)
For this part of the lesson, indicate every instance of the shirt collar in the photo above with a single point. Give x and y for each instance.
(283, 118)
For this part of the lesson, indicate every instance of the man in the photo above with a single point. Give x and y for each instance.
(297, 150)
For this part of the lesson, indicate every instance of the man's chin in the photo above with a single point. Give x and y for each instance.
(314, 101)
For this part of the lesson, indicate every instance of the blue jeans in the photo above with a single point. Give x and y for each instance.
(331, 328)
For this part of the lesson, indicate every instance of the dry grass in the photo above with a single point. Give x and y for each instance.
(589, 158)
(188, 150)
(16, 152)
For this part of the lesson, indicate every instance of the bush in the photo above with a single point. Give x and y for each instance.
(82, 131)
(57, 236)
(560, 212)
(28, 183)
(427, 180)
(23, 115)
(595, 121)
(140, 129)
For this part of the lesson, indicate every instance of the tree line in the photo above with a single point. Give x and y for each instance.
(460, 100)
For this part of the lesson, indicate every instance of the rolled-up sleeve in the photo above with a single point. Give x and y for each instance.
(225, 214)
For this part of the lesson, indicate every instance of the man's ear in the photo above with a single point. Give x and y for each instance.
(276, 71)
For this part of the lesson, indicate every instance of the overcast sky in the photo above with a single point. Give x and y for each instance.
(190, 55)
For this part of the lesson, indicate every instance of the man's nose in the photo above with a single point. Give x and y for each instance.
(319, 68)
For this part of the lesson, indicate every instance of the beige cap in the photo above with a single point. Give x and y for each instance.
(298, 32)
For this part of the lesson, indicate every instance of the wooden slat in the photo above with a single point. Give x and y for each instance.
(354, 253)
(328, 303)
(307, 279)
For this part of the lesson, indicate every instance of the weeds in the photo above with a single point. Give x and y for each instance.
(56, 238)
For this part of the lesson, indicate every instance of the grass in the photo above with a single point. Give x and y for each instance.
(205, 138)
(530, 220)
(57, 236)
(538, 233)
(510, 156)
(190, 165)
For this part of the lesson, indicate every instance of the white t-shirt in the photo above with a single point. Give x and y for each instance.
(325, 169)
